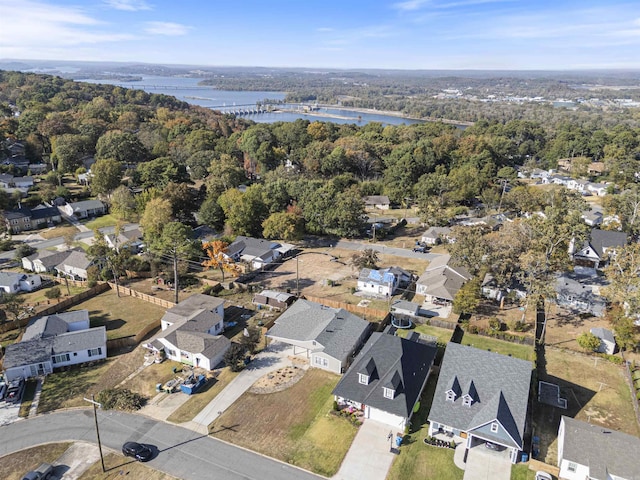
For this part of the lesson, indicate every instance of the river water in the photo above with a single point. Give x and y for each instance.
(188, 90)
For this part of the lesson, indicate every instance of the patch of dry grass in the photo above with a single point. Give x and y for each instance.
(596, 391)
(188, 410)
(60, 231)
(15, 465)
(118, 466)
(293, 425)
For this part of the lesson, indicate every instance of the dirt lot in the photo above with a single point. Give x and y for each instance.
(563, 327)
(595, 390)
(315, 268)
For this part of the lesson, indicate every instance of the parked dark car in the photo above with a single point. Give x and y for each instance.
(43, 472)
(139, 451)
(494, 446)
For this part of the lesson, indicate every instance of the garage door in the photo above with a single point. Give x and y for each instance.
(390, 419)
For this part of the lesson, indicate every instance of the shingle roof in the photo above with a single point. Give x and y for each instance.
(436, 232)
(44, 212)
(606, 452)
(54, 324)
(49, 259)
(376, 200)
(252, 247)
(86, 205)
(400, 363)
(501, 384)
(603, 239)
(190, 306)
(336, 330)
(199, 342)
(603, 333)
(79, 340)
(76, 259)
(11, 278)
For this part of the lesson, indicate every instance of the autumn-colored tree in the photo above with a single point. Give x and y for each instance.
(216, 251)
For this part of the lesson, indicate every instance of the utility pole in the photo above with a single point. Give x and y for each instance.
(95, 417)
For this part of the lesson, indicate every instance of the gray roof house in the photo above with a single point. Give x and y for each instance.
(580, 295)
(435, 235)
(441, 280)
(380, 202)
(84, 209)
(607, 341)
(13, 282)
(55, 341)
(595, 452)
(483, 395)
(192, 332)
(382, 282)
(594, 251)
(257, 251)
(329, 337)
(44, 261)
(74, 265)
(273, 300)
(387, 379)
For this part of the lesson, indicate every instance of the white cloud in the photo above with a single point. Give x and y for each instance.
(128, 5)
(410, 5)
(166, 28)
(35, 25)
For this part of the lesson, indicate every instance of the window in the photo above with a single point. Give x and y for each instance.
(323, 362)
(451, 396)
(389, 392)
(466, 400)
(494, 427)
(61, 358)
(572, 467)
(94, 352)
(363, 379)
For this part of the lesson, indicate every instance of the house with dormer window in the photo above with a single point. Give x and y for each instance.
(387, 378)
(482, 396)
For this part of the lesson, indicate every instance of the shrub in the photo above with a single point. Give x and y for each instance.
(53, 293)
(495, 324)
(588, 341)
(335, 406)
(473, 329)
(120, 399)
(518, 326)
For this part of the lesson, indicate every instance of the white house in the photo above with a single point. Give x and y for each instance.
(386, 379)
(55, 341)
(382, 283)
(435, 235)
(12, 282)
(84, 209)
(328, 337)
(44, 261)
(74, 265)
(441, 281)
(587, 451)
(258, 252)
(192, 332)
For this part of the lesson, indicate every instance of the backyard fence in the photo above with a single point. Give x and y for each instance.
(363, 311)
(56, 307)
(634, 394)
(142, 296)
(441, 323)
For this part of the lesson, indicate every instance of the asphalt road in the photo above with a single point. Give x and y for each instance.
(182, 453)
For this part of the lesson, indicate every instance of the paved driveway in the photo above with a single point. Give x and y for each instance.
(485, 464)
(8, 412)
(274, 357)
(369, 457)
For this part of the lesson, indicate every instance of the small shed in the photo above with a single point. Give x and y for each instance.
(607, 341)
(273, 299)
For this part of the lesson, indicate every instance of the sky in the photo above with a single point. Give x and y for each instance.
(393, 34)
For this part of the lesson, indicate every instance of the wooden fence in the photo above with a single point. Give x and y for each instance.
(141, 296)
(634, 394)
(56, 307)
(362, 311)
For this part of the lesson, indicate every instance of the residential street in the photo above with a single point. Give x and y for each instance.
(380, 247)
(182, 453)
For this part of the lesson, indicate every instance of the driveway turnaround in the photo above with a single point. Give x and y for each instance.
(182, 453)
(369, 457)
(77, 458)
(485, 464)
(275, 356)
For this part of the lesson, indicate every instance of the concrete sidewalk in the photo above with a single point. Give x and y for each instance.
(369, 457)
(269, 360)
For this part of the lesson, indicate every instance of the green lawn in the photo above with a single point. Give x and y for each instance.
(100, 222)
(442, 334)
(417, 460)
(520, 471)
(524, 352)
(123, 316)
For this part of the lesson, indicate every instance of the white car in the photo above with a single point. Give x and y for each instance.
(543, 476)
